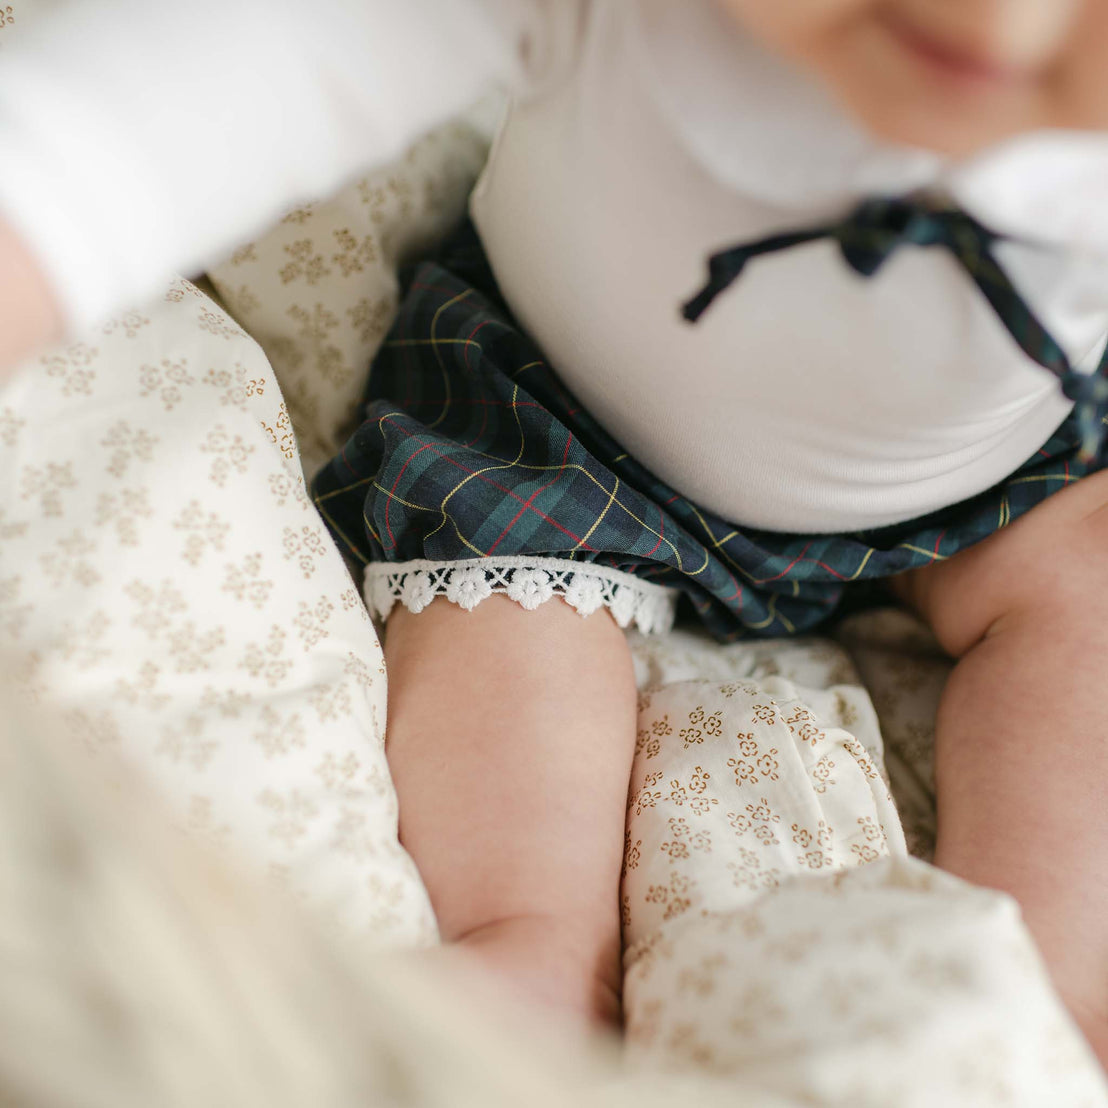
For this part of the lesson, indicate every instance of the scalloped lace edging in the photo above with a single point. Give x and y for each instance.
(530, 582)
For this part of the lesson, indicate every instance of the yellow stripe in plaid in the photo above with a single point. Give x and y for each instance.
(471, 446)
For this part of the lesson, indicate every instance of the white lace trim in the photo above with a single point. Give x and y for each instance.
(528, 581)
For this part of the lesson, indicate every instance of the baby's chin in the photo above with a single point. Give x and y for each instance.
(954, 130)
(906, 96)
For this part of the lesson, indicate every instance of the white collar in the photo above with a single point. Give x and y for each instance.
(1047, 186)
(762, 127)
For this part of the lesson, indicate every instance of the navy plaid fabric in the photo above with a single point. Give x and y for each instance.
(470, 446)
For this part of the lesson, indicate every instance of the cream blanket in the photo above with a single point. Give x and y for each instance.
(169, 596)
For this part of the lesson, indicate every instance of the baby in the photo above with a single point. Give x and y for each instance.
(576, 421)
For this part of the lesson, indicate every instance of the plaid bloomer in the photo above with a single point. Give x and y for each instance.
(475, 471)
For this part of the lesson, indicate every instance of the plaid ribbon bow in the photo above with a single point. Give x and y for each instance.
(870, 235)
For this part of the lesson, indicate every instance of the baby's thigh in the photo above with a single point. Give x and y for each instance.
(510, 737)
(1050, 564)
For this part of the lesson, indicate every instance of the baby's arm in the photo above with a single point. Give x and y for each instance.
(510, 737)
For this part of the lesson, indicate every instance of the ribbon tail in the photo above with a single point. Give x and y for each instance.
(725, 267)
(1092, 437)
(1089, 392)
(693, 309)
(1027, 330)
(1091, 427)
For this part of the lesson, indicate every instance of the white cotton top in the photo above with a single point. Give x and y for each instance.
(643, 136)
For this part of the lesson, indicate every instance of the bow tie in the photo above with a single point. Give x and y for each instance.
(877, 228)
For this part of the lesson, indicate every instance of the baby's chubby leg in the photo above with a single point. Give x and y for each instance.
(510, 736)
(1022, 736)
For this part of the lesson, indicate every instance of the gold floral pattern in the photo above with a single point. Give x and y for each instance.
(156, 542)
(10, 426)
(125, 446)
(281, 434)
(165, 381)
(46, 484)
(745, 782)
(304, 263)
(319, 290)
(124, 512)
(72, 368)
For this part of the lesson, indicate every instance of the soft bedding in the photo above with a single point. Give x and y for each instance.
(168, 592)
(167, 589)
(221, 992)
(777, 927)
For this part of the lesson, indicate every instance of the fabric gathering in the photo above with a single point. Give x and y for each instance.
(377, 318)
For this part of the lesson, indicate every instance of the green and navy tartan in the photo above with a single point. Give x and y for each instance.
(470, 446)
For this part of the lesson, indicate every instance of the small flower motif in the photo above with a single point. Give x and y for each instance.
(585, 593)
(740, 824)
(417, 592)
(744, 771)
(298, 215)
(530, 587)
(632, 852)
(702, 805)
(467, 588)
(809, 733)
(676, 906)
(691, 735)
(734, 687)
(643, 799)
(814, 859)
(821, 774)
(748, 858)
(768, 765)
(763, 813)
(859, 753)
(803, 724)
(748, 748)
(765, 713)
